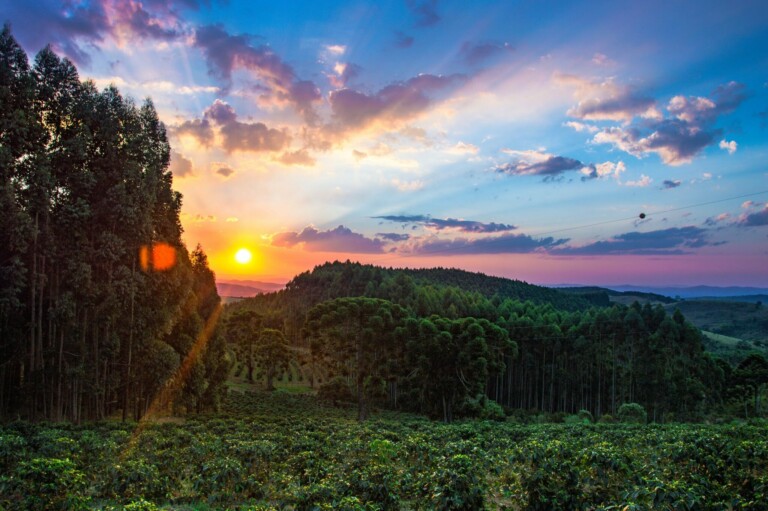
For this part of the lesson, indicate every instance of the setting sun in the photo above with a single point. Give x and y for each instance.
(243, 256)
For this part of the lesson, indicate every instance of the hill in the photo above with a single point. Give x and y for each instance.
(622, 297)
(245, 288)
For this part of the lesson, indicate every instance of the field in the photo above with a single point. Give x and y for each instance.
(284, 450)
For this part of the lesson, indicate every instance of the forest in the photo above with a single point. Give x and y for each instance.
(100, 301)
(413, 340)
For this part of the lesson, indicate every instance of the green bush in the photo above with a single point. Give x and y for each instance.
(632, 413)
(45, 484)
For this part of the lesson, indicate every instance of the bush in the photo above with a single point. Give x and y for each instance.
(45, 484)
(335, 391)
(606, 418)
(586, 416)
(632, 413)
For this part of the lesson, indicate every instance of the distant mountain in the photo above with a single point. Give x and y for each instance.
(695, 291)
(245, 288)
(684, 292)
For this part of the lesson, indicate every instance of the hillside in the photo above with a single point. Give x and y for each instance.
(448, 343)
(742, 320)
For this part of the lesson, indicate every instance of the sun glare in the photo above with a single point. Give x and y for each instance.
(243, 256)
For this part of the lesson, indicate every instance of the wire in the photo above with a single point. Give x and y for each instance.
(574, 228)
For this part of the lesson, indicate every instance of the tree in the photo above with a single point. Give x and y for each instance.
(359, 337)
(752, 373)
(272, 354)
(244, 327)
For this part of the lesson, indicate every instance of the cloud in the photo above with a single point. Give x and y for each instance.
(439, 224)
(203, 218)
(345, 72)
(748, 204)
(674, 140)
(393, 236)
(403, 40)
(672, 241)
(605, 169)
(712, 221)
(605, 100)
(729, 146)
(503, 244)
(463, 148)
(600, 59)
(757, 219)
(300, 157)
(226, 53)
(671, 183)
(180, 166)
(640, 183)
(223, 169)
(679, 138)
(335, 49)
(396, 102)
(477, 54)
(74, 29)
(232, 219)
(538, 163)
(581, 127)
(424, 12)
(235, 135)
(340, 239)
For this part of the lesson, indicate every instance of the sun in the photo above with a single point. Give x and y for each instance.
(243, 256)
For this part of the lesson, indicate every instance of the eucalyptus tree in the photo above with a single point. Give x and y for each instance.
(362, 337)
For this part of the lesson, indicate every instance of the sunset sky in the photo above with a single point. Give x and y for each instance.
(521, 139)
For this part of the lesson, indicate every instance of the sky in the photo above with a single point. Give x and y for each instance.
(594, 142)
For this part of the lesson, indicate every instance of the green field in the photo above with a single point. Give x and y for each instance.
(286, 451)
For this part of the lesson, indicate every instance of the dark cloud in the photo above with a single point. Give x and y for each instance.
(477, 54)
(180, 166)
(74, 29)
(393, 236)
(397, 101)
(200, 129)
(675, 141)
(671, 183)
(403, 40)
(226, 53)
(754, 219)
(340, 239)
(236, 135)
(351, 71)
(672, 241)
(424, 12)
(225, 171)
(550, 167)
(679, 138)
(448, 223)
(604, 100)
(503, 244)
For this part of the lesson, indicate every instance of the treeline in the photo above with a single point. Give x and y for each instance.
(100, 302)
(384, 336)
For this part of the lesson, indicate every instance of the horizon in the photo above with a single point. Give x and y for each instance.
(597, 146)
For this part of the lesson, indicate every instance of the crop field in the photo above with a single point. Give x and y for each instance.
(288, 451)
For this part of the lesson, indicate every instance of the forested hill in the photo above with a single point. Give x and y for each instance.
(337, 279)
(100, 301)
(413, 340)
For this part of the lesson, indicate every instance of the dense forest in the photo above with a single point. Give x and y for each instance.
(413, 340)
(101, 304)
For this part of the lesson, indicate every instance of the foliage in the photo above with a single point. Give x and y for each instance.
(88, 326)
(276, 451)
(632, 413)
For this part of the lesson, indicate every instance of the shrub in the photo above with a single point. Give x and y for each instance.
(632, 413)
(46, 484)
(586, 416)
